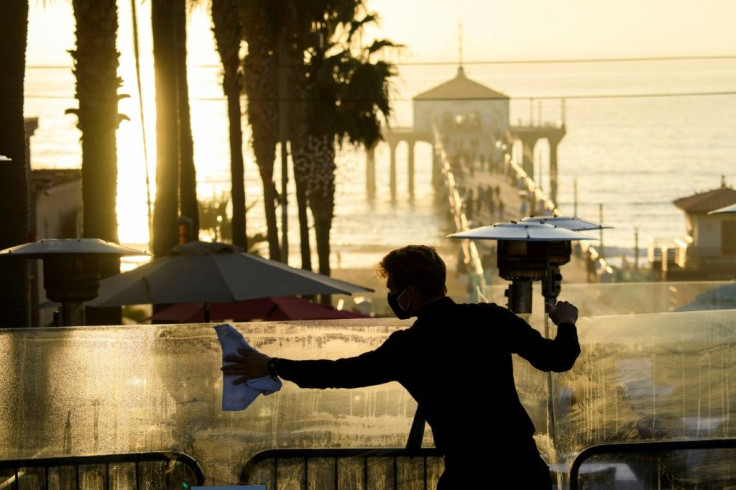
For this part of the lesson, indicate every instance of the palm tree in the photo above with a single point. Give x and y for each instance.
(14, 301)
(309, 27)
(348, 95)
(260, 30)
(298, 135)
(97, 83)
(176, 192)
(165, 216)
(188, 204)
(228, 35)
(334, 96)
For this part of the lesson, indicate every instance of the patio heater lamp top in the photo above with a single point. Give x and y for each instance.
(530, 251)
(71, 269)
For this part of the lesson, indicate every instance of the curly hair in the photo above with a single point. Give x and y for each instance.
(418, 266)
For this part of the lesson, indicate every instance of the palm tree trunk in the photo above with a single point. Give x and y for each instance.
(95, 67)
(165, 216)
(298, 139)
(187, 171)
(259, 18)
(227, 29)
(14, 175)
(322, 200)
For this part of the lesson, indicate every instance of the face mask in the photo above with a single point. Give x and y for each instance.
(400, 312)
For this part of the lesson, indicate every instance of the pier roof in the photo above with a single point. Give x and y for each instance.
(460, 87)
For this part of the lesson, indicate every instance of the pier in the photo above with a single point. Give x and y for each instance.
(481, 191)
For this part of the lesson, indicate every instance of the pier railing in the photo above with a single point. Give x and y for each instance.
(470, 255)
(539, 205)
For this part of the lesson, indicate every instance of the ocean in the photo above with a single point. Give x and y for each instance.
(640, 134)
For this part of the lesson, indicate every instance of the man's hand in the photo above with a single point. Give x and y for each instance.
(248, 364)
(564, 312)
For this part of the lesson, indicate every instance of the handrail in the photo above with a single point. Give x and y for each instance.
(249, 470)
(170, 457)
(644, 446)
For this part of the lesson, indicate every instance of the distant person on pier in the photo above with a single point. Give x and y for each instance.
(456, 360)
(591, 273)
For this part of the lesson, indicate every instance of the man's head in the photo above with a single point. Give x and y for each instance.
(415, 266)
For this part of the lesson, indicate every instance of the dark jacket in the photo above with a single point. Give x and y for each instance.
(456, 362)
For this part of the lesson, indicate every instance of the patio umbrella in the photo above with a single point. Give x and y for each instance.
(266, 309)
(718, 298)
(726, 209)
(203, 272)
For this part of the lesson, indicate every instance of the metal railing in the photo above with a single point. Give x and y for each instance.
(147, 470)
(632, 449)
(385, 468)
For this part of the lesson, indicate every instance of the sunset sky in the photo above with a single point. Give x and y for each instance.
(491, 29)
(534, 29)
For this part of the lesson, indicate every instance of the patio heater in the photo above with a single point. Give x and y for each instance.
(530, 250)
(71, 270)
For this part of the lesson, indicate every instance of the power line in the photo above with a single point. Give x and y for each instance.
(514, 98)
(569, 60)
(494, 62)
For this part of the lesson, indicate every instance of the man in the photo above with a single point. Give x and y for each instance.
(456, 361)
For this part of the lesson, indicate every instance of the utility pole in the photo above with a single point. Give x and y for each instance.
(600, 220)
(636, 251)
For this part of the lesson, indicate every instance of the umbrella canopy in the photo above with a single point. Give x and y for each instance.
(61, 246)
(718, 298)
(522, 231)
(213, 273)
(267, 309)
(727, 209)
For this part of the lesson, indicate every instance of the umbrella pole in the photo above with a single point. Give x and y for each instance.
(206, 312)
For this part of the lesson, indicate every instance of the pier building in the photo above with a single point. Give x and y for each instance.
(474, 125)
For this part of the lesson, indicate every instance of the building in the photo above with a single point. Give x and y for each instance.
(470, 116)
(708, 250)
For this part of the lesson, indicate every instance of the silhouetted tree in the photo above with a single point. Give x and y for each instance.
(260, 30)
(14, 175)
(165, 215)
(188, 205)
(348, 94)
(228, 37)
(96, 71)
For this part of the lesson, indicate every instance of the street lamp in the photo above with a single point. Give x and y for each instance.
(71, 270)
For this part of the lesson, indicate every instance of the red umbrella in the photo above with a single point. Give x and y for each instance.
(271, 308)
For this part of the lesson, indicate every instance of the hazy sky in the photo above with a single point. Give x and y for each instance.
(491, 29)
(535, 29)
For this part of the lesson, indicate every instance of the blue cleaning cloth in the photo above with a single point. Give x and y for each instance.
(238, 397)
